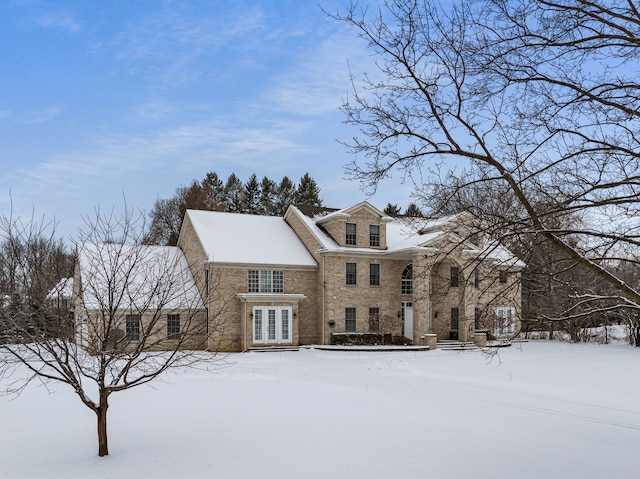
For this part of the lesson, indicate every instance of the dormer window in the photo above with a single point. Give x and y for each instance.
(474, 239)
(350, 239)
(374, 235)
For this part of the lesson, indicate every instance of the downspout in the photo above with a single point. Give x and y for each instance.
(244, 326)
(430, 307)
(324, 287)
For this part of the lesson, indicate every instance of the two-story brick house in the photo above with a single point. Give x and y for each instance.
(319, 271)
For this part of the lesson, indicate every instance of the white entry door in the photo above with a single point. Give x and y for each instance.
(407, 315)
(272, 324)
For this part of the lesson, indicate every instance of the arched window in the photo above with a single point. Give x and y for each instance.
(407, 280)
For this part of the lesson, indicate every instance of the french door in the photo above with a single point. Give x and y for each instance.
(272, 324)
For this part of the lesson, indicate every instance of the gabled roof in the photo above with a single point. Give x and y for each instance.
(233, 238)
(137, 276)
(346, 213)
(405, 234)
(63, 289)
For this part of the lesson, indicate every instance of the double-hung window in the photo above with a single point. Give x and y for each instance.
(265, 281)
(132, 327)
(455, 280)
(350, 238)
(350, 320)
(352, 273)
(374, 274)
(374, 235)
(173, 326)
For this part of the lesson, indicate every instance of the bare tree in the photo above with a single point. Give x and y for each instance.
(139, 311)
(537, 100)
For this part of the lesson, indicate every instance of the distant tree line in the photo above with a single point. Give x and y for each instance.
(258, 197)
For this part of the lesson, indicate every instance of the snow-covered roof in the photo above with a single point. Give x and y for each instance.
(233, 238)
(406, 234)
(140, 276)
(63, 289)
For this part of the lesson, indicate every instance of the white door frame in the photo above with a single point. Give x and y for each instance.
(272, 324)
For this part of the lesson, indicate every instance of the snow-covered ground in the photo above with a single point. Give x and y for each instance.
(539, 410)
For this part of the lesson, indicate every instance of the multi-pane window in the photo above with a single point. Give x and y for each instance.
(374, 320)
(265, 281)
(374, 235)
(257, 325)
(476, 278)
(132, 327)
(407, 280)
(173, 326)
(503, 277)
(476, 318)
(352, 274)
(374, 274)
(455, 316)
(350, 320)
(505, 319)
(350, 238)
(455, 280)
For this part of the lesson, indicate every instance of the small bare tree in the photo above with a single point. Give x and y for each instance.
(138, 312)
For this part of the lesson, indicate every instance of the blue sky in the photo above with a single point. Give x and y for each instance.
(136, 98)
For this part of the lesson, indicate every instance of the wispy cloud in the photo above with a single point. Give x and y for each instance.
(318, 80)
(40, 116)
(170, 45)
(60, 21)
(196, 147)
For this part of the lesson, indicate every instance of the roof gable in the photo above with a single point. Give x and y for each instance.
(346, 213)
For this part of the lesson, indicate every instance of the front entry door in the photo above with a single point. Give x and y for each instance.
(407, 316)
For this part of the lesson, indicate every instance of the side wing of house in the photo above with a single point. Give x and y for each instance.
(260, 281)
(136, 298)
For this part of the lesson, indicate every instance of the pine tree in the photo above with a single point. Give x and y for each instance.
(391, 210)
(251, 196)
(234, 192)
(308, 192)
(285, 196)
(268, 197)
(214, 188)
(413, 210)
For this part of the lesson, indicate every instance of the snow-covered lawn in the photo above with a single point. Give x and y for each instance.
(540, 410)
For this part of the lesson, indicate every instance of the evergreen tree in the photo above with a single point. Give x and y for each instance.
(268, 197)
(285, 196)
(234, 193)
(308, 192)
(214, 188)
(413, 210)
(391, 210)
(251, 196)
